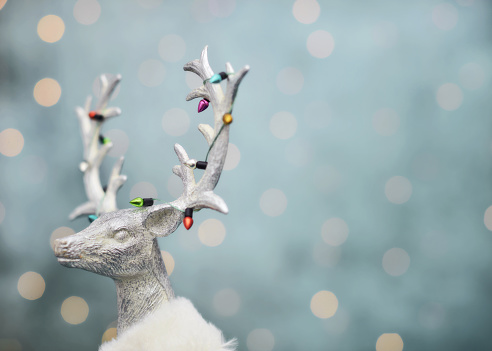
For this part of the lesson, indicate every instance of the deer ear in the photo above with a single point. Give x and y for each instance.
(162, 221)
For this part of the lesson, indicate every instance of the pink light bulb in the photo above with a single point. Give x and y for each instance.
(202, 105)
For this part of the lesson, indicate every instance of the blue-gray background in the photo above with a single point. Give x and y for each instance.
(337, 166)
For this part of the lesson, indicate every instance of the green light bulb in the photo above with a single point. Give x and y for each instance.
(137, 202)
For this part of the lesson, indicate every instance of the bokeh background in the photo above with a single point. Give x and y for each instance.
(358, 178)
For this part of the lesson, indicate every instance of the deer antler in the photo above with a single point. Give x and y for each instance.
(100, 200)
(200, 195)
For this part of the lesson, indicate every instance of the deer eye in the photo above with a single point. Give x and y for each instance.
(121, 235)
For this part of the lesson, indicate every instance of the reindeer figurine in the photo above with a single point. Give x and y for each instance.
(122, 244)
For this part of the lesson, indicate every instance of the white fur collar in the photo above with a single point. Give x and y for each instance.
(175, 326)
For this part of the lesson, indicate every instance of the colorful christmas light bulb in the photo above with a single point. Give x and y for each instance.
(188, 220)
(203, 105)
(227, 118)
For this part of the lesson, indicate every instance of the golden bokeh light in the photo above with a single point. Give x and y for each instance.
(324, 304)
(320, 44)
(212, 232)
(449, 96)
(335, 231)
(11, 142)
(168, 261)
(74, 310)
(233, 157)
(396, 261)
(109, 335)
(273, 202)
(60, 232)
(398, 190)
(51, 28)
(487, 218)
(260, 340)
(306, 11)
(2, 3)
(389, 342)
(47, 92)
(283, 125)
(227, 302)
(31, 285)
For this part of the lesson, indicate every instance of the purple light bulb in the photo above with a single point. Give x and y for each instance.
(202, 105)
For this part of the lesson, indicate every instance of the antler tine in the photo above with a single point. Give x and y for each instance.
(200, 195)
(99, 200)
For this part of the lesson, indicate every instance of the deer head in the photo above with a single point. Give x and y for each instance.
(122, 244)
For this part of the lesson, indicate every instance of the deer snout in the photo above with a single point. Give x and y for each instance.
(62, 249)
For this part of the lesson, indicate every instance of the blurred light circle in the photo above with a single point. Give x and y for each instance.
(221, 8)
(120, 142)
(290, 81)
(431, 315)
(172, 48)
(151, 73)
(201, 12)
(318, 114)
(445, 16)
(396, 261)
(11, 142)
(324, 304)
(97, 86)
(449, 96)
(227, 302)
(338, 323)
(33, 169)
(109, 334)
(47, 92)
(327, 179)
(74, 310)
(283, 125)
(398, 190)
(143, 189)
(31, 285)
(175, 186)
(168, 261)
(389, 342)
(273, 202)
(306, 11)
(326, 255)
(334, 231)
(175, 122)
(472, 76)
(320, 44)
(2, 212)
(487, 218)
(385, 34)
(58, 233)
(2, 3)
(9, 344)
(192, 80)
(212, 232)
(51, 28)
(232, 158)
(87, 11)
(299, 152)
(260, 340)
(149, 4)
(386, 122)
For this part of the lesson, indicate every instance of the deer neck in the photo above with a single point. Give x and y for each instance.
(141, 295)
